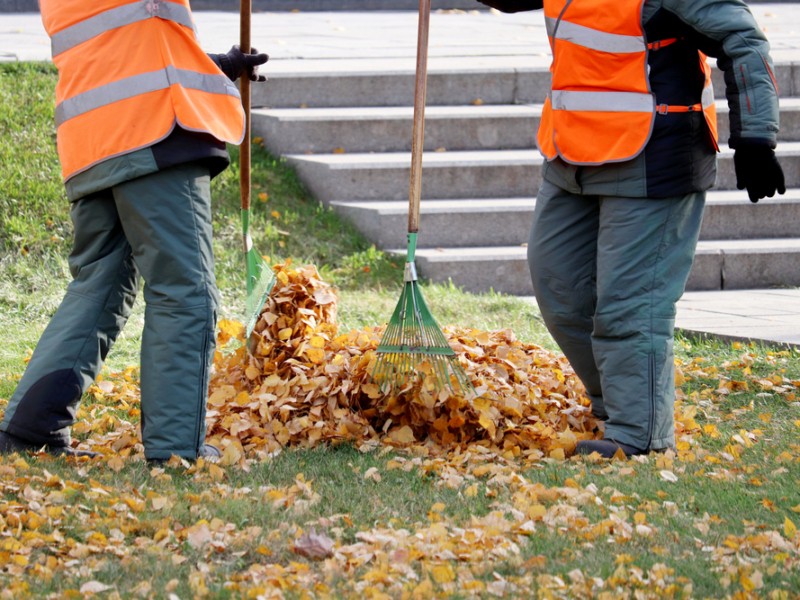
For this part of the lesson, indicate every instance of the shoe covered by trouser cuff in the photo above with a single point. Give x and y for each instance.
(207, 452)
(607, 448)
(9, 444)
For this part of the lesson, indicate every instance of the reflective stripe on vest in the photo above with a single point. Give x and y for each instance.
(592, 38)
(129, 73)
(601, 101)
(123, 89)
(118, 17)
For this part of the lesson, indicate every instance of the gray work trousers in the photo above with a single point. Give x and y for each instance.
(607, 273)
(157, 227)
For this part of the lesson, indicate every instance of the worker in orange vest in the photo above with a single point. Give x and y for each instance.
(142, 116)
(629, 135)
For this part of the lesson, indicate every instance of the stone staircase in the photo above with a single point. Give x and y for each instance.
(349, 137)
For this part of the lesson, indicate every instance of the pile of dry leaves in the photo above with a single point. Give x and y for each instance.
(306, 383)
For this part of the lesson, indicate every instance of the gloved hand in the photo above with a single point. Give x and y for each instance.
(757, 169)
(512, 6)
(236, 63)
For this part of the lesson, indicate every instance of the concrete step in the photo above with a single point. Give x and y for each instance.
(788, 155)
(452, 81)
(461, 174)
(444, 223)
(789, 118)
(718, 265)
(388, 129)
(506, 221)
(743, 264)
(354, 82)
(471, 174)
(730, 215)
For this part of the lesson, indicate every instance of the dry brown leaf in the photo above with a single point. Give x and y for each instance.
(198, 535)
(94, 587)
(115, 463)
(313, 545)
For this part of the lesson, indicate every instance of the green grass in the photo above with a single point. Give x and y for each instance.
(707, 526)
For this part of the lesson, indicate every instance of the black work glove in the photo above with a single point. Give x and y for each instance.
(757, 169)
(512, 6)
(236, 64)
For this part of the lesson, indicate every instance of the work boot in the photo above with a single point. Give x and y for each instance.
(10, 444)
(210, 453)
(207, 451)
(607, 448)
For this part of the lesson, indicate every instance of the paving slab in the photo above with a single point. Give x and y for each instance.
(765, 316)
(769, 315)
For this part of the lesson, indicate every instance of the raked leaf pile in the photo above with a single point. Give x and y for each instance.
(306, 383)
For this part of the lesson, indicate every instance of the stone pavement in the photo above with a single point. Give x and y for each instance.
(771, 316)
(385, 41)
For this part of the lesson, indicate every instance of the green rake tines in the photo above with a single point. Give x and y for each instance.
(260, 278)
(413, 345)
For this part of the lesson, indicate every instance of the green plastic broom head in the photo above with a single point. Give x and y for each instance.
(413, 345)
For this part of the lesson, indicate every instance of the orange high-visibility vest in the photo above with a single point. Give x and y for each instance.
(129, 71)
(600, 108)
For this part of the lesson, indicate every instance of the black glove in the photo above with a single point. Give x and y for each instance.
(757, 169)
(512, 6)
(236, 63)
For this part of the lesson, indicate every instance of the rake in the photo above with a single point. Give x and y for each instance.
(413, 344)
(260, 278)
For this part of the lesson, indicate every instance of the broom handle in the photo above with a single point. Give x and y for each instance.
(418, 133)
(244, 89)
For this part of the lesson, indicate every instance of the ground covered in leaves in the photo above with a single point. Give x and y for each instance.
(329, 488)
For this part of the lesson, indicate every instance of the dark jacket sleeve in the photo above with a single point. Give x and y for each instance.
(727, 31)
(512, 6)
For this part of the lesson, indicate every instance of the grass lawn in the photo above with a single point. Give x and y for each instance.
(364, 519)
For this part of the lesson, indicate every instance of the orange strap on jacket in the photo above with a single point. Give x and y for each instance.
(659, 44)
(664, 109)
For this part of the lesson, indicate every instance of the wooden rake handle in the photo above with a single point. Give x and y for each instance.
(418, 132)
(244, 89)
